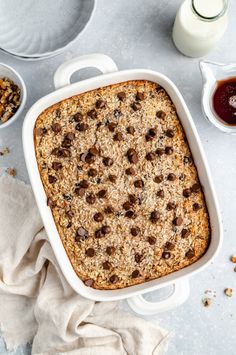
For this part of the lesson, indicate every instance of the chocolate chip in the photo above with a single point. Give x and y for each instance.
(114, 279)
(135, 231)
(196, 206)
(150, 156)
(91, 199)
(190, 254)
(82, 127)
(92, 114)
(70, 214)
(112, 126)
(65, 153)
(57, 152)
(160, 151)
(81, 234)
(121, 95)
(84, 184)
(98, 217)
(160, 194)
(127, 206)
(160, 114)
(102, 193)
(66, 143)
(78, 117)
(100, 103)
(186, 160)
(140, 96)
(41, 131)
(106, 265)
(50, 202)
(168, 150)
(130, 171)
(155, 216)
(132, 156)
(90, 252)
(52, 179)
(107, 161)
(112, 178)
(196, 187)
(90, 158)
(89, 282)
(56, 127)
(110, 250)
(170, 133)
(136, 106)
(169, 246)
(98, 233)
(70, 136)
(109, 210)
(151, 134)
(171, 206)
(92, 172)
(80, 191)
(106, 229)
(132, 198)
(135, 274)
(130, 130)
(118, 137)
(185, 233)
(151, 240)
(130, 214)
(117, 113)
(56, 165)
(186, 193)
(94, 151)
(138, 258)
(139, 183)
(158, 179)
(165, 255)
(177, 221)
(171, 177)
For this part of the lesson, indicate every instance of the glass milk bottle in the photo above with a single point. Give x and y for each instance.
(199, 25)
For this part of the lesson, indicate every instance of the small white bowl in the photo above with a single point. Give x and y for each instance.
(10, 73)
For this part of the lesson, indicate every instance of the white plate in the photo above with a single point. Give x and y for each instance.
(36, 28)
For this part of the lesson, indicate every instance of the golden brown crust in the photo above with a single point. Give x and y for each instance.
(169, 228)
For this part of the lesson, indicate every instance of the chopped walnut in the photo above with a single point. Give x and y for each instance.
(11, 172)
(229, 292)
(9, 99)
(207, 301)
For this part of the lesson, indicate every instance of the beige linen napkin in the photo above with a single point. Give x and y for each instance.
(37, 303)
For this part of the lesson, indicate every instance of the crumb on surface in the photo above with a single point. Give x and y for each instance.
(4, 151)
(233, 259)
(228, 292)
(207, 302)
(11, 172)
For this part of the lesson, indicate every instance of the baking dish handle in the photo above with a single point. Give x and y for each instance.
(179, 295)
(100, 61)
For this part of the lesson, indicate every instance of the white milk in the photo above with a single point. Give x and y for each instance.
(199, 25)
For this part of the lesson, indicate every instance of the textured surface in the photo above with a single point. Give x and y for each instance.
(157, 221)
(141, 38)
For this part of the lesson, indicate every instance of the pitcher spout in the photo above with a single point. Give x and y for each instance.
(210, 70)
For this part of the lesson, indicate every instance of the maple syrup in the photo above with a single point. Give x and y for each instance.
(224, 100)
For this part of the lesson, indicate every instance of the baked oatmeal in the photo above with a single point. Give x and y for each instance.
(121, 184)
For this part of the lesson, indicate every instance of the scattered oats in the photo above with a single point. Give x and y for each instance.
(5, 151)
(233, 259)
(212, 293)
(229, 292)
(11, 172)
(207, 301)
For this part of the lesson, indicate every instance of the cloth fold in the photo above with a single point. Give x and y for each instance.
(37, 303)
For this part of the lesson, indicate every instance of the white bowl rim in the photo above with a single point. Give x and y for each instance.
(23, 101)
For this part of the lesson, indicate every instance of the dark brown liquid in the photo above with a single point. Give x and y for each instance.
(224, 100)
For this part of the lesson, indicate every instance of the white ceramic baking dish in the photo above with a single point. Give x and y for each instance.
(111, 75)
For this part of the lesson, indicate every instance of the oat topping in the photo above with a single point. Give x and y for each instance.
(122, 185)
(228, 292)
(9, 99)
